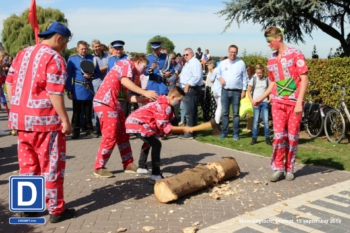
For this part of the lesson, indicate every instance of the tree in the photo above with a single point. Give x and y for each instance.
(339, 52)
(314, 53)
(297, 17)
(18, 34)
(166, 43)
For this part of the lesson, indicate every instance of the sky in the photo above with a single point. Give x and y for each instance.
(187, 23)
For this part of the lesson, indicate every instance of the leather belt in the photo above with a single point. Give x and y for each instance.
(82, 83)
(232, 89)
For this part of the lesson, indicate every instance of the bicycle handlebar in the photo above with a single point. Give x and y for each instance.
(338, 87)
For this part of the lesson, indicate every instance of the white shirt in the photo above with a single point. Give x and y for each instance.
(191, 73)
(234, 73)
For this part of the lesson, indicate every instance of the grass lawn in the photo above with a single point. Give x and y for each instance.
(310, 151)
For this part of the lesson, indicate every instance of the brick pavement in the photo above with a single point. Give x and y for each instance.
(104, 205)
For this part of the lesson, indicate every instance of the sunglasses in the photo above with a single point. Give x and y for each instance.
(185, 55)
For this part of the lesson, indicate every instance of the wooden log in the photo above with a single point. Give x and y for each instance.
(226, 168)
(192, 180)
(189, 181)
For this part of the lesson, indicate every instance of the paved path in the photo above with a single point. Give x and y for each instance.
(104, 205)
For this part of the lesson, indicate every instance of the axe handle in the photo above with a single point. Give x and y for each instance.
(203, 126)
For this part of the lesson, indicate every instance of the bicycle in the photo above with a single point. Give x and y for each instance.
(313, 116)
(334, 123)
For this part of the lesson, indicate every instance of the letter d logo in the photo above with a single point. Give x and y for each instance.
(27, 193)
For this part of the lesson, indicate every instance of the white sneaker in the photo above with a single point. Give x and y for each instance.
(143, 172)
(154, 178)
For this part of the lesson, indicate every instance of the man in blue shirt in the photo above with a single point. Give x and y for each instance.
(159, 69)
(191, 80)
(234, 79)
(118, 46)
(80, 89)
(102, 61)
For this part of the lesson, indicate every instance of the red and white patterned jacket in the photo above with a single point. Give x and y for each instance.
(291, 65)
(35, 73)
(108, 92)
(152, 119)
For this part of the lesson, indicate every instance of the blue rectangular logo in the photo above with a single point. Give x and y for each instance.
(17, 221)
(27, 194)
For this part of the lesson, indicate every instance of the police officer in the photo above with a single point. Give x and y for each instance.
(159, 69)
(80, 89)
(118, 46)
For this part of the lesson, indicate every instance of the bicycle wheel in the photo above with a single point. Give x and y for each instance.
(334, 126)
(314, 128)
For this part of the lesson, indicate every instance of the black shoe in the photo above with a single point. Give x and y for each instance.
(268, 141)
(28, 214)
(98, 133)
(67, 214)
(254, 141)
(90, 134)
(83, 129)
(75, 135)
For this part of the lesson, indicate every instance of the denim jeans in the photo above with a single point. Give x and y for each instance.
(182, 112)
(94, 116)
(230, 98)
(190, 102)
(263, 109)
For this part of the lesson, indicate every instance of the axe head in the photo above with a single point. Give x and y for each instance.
(216, 129)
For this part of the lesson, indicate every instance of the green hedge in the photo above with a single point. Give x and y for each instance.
(324, 73)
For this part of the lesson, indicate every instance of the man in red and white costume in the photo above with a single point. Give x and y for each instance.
(35, 85)
(287, 72)
(109, 111)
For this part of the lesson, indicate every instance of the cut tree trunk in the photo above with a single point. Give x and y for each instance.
(192, 180)
(227, 168)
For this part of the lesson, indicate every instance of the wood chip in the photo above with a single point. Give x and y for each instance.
(195, 224)
(315, 183)
(88, 179)
(276, 229)
(249, 213)
(278, 211)
(285, 204)
(308, 201)
(189, 230)
(113, 210)
(147, 228)
(257, 182)
(263, 204)
(121, 229)
(228, 193)
(214, 196)
(296, 214)
(251, 205)
(156, 215)
(171, 211)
